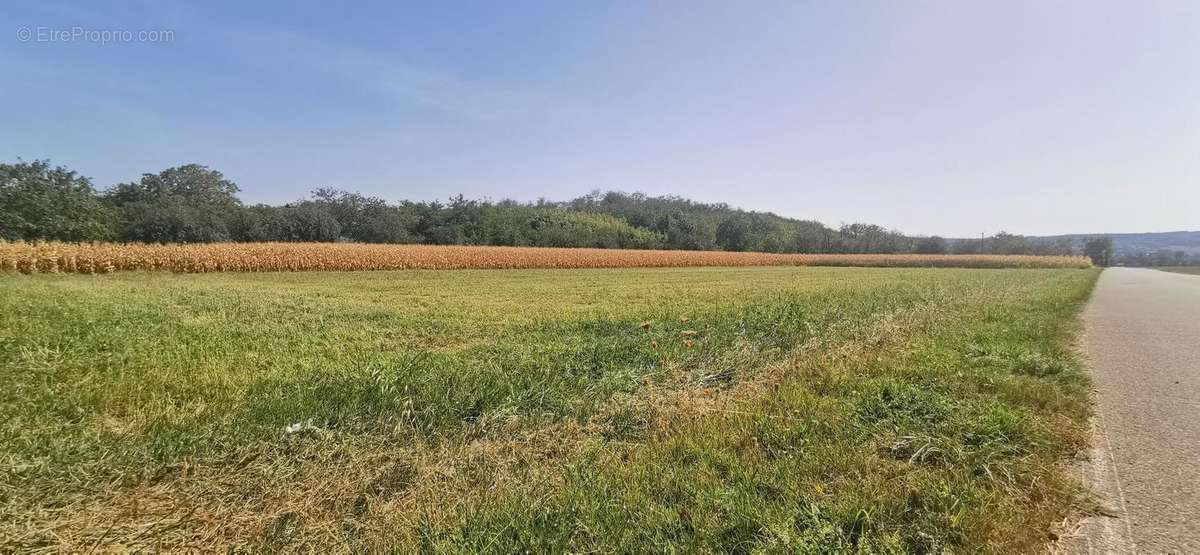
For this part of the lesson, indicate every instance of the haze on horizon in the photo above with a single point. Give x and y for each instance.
(929, 117)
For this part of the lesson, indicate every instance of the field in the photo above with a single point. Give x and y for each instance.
(90, 258)
(624, 410)
(1195, 270)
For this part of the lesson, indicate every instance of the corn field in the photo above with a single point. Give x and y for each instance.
(99, 258)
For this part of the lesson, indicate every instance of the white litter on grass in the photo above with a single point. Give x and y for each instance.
(300, 427)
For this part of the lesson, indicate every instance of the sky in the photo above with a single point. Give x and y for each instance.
(948, 118)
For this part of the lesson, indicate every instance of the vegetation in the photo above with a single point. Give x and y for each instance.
(662, 410)
(1159, 258)
(95, 258)
(1099, 250)
(40, 202)
(1172, 248)
(193, 204)
(1180, 269)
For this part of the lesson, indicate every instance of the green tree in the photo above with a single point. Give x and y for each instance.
(192, 182)
(512, 224)
(368, 219)
(1099, 249)
(41, 202)
(172, 220)
(310, 221)
(931, 245)
(734, 233)
(185, 204)
(1007, 243)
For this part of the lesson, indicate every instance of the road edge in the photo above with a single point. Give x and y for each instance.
(1102, 525)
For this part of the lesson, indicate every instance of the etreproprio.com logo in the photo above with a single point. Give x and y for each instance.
(79, 33)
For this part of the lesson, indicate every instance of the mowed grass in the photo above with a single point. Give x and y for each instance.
(683, 409)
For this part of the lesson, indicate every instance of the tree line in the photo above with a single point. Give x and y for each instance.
(1159, 257)
(192, 203)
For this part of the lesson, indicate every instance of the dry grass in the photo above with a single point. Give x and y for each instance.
(90, 258)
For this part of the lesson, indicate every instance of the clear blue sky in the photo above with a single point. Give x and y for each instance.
(949, 118)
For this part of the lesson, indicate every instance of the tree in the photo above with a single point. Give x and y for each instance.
(687, 231)
(192, 203)
(1099, 249)
(867, 238)
(512, 224)
(931, 245)
(193, 182)
(185, 204)
(255, 223)
(172, 220)
(368, 219)
(967, 246)
(733, 233)
(1007, 243)
(40, 202)
(310, 221)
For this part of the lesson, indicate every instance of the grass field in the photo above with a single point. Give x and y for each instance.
(1194, 270)
(635, 410)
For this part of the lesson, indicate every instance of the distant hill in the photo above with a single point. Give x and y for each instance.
(1133, 243)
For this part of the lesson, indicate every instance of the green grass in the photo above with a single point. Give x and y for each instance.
(1195, 270)
(790, 409)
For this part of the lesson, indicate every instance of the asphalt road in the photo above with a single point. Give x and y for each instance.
(1143, 345)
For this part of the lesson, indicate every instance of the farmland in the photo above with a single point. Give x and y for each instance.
(616, 410)
(1194, 270)
(91, 258)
